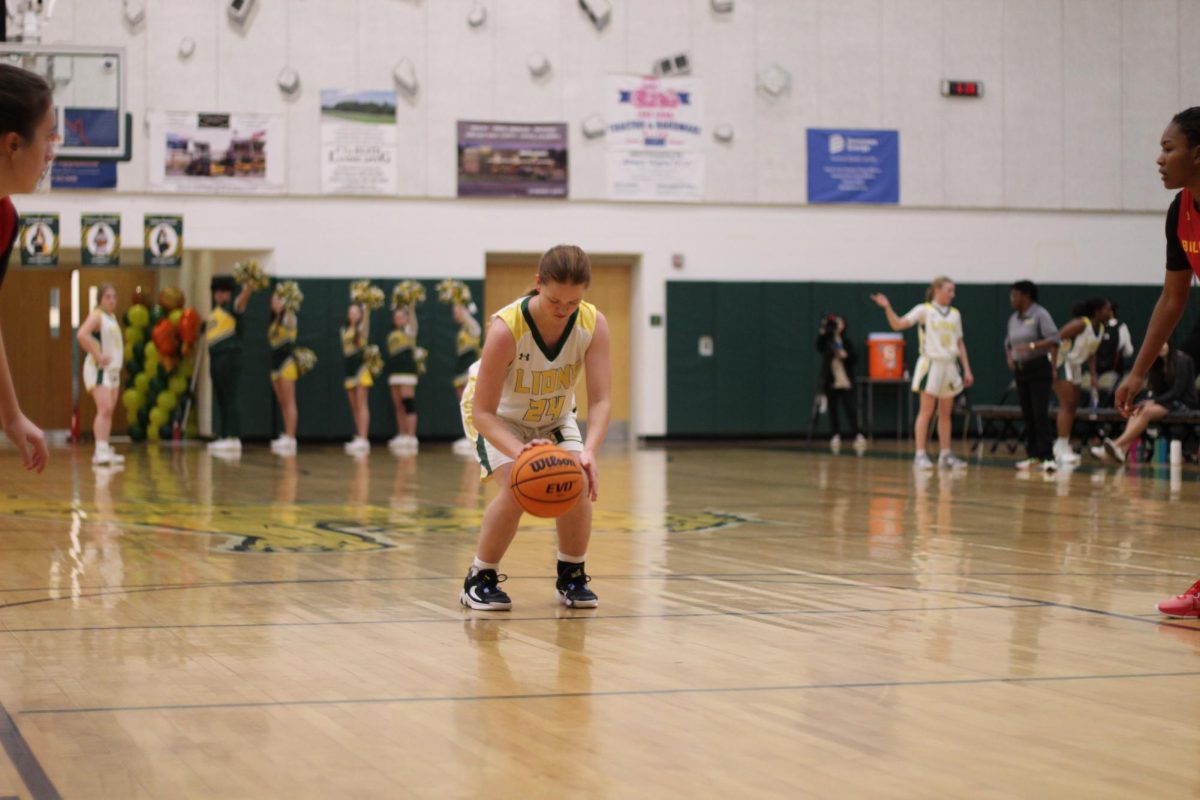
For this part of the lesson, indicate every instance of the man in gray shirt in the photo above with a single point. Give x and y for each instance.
(1029, 348)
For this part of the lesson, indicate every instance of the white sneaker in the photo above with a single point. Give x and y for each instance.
(835, 443)
(358, 446)
(921, 461)
(1026, 464)
(397, 441)
(1069, 458)
(233, 445)
(102, 454)
(948, 460)
(463, 447)
(284, 446)
(1114, 450)
(860, 442)
(1099, 452)
(412, 444)
(1049, 465)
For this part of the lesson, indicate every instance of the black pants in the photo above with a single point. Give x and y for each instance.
(846, 398)
(1035, 381)
(226, 372)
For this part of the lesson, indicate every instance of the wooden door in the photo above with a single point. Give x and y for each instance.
(126, 281)
(39, 354)
(509, 277)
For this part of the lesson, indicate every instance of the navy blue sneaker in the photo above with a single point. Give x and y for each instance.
(481, 591)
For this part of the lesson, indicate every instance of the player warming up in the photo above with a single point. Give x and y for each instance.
(521, 393)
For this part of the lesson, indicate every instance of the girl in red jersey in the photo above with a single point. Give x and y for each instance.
(1179, 166)
(26, 149)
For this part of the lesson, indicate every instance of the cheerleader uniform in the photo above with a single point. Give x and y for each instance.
(282, 336)
(354, 349)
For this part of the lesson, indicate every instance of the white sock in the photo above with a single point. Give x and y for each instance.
(572, 559)
(482, 565)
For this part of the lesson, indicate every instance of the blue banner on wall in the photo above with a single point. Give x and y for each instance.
(83, 175)
(853, 166)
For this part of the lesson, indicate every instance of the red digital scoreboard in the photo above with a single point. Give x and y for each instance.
(962, 88)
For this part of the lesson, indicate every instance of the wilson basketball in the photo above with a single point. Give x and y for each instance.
(547, 480)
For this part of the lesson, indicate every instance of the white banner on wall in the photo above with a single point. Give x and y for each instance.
(654, 138)
(358, 142)
(216, 152)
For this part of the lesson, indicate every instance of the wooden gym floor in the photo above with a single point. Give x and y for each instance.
(774, 622)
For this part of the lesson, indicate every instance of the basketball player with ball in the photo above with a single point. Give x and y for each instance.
(519, 409)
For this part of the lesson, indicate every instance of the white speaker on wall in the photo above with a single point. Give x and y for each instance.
(238, 10)
(538, 65)
(288, 80)
(593, 126)
(187, 46)
(722, 6)
(723, 133)
(405, 75)
(598, 11)
(135, 11)
(774, 80)
(478, 15)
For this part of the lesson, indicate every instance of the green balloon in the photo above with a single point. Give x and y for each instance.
(131, 399)
(175, 316)
(152, 434)
(142, 381)
(130, 351)
(139, 316)
(150, 351)
(166, 400)
(134, 336)
(187, 367)
(156, 314)
(158, 418)
(178, 384)
(137, 432)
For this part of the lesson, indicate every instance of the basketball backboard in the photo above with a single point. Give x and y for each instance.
(89, 94)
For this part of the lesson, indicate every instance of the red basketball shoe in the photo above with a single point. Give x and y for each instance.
(1185, 605)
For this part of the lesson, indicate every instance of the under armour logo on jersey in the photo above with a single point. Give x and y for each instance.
(523, 356)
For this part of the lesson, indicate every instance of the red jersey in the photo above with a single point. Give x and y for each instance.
(1183, 234)
(8, 233)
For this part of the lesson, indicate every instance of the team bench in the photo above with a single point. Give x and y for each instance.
(1002, 424)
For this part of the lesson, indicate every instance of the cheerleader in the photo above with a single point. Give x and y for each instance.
(282, 332)
(403, 365)
(467, 351)
(359, 357)
(100, 337)
(223, 335)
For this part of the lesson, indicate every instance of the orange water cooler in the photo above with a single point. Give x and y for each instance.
(886, 356)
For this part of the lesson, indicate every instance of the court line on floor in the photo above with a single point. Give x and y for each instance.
(26, 763)
(683, 576)
(578, 615)
(706, 690)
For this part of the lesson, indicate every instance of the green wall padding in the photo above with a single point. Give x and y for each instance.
(762, 375)
(324, 410)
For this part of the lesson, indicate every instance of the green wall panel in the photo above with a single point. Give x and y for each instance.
(762, 377)
(324, 410)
